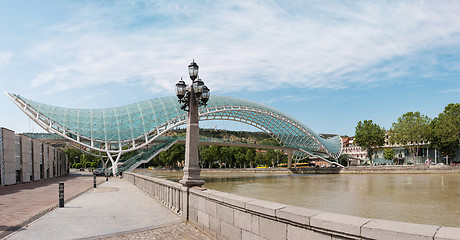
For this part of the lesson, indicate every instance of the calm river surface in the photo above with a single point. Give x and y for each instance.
(418, 198)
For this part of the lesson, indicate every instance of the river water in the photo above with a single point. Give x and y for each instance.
(418, 198)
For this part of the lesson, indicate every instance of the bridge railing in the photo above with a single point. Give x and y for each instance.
(170, 194)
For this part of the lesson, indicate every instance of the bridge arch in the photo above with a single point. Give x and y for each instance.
(134, 126)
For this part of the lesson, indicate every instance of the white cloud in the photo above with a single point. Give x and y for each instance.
(5, 57)
(253, 45)
(455, 90)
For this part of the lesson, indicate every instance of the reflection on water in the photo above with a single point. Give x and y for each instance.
(419, 198)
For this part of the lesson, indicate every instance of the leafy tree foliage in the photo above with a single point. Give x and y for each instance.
(86, 160)
(260, 159)
(445, 130)
(270, 141)
(369, 135)
(72, 154)
(240, 158)
(389, 153)
(208, 155)
(240, 136)
(228, 156)
(221, 157)
(250, 156)
(411, 129)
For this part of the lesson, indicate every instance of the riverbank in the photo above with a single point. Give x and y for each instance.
(418, 169)
(392, 169)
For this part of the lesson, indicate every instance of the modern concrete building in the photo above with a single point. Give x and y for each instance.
(24, 159)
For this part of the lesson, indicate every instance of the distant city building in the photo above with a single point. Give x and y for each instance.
(352, 150)
(426, 154)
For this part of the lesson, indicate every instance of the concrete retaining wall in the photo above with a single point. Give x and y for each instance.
(229, 216)
(46, 170)
(51, 162)
(8, 163)
(418, 169)
(36, 158)
(316, 170)
(26, 158)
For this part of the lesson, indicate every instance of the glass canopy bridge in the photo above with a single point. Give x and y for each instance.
(118, 130)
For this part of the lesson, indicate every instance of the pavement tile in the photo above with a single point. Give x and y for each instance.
(21, 203)
(116, 209)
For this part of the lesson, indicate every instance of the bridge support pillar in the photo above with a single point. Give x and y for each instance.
(289, 152)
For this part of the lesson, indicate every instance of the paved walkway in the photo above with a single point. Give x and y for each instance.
(22, 203)
(114, 210)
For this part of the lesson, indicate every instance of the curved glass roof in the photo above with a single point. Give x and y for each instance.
(134, 121)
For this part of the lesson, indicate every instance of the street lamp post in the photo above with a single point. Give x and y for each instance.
(191, 97)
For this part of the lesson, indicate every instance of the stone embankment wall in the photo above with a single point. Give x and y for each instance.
(316, 170)
(419, 169)
(250, 170)
(423, 169)
(23, 159)
(229, 216)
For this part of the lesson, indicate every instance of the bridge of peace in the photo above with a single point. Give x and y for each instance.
(142, 126)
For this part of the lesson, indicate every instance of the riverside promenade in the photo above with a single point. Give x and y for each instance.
(22, 203)
(114, 210)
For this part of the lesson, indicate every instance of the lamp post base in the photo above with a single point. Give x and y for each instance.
(192, 178)
(192, 182)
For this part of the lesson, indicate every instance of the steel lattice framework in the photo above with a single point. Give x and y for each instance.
(131, 127)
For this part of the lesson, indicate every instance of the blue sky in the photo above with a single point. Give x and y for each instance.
(328, 64)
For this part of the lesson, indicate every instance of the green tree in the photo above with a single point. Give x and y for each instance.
(224, 155)
(259, 158)
(280, 157)
(240, 157)
(411, 129)
(176, 155)
(269, 141)
(389, 153)
(270, 157)
(369, 135)
(171, 157)
(72, 154)
(445, 130)
(206, 156)
(250, 156)
(163, 158)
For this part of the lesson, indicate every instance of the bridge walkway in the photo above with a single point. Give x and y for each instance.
(114, 210)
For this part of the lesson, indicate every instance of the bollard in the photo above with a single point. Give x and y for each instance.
(94, 180)
(61, 194)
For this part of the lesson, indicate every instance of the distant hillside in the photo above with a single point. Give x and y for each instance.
(240, 136)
